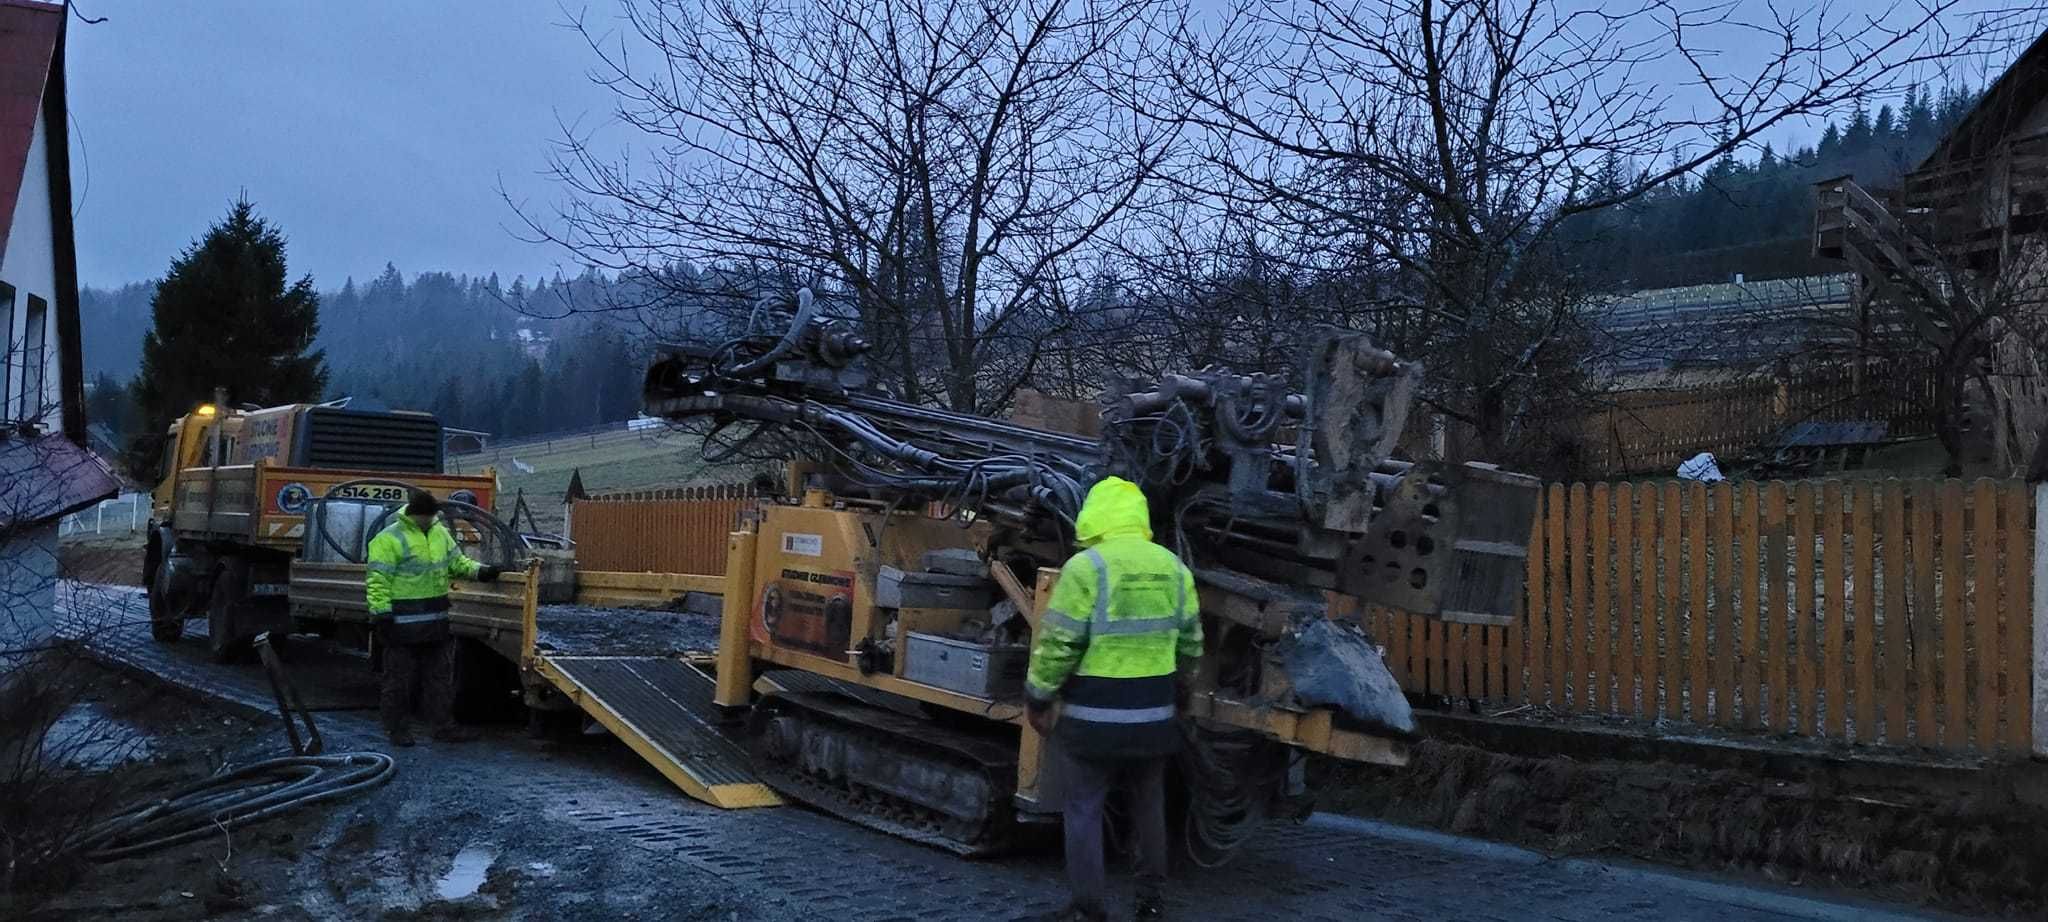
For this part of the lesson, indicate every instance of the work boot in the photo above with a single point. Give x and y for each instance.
(454, 733)
(401, 736)
(1149, 909)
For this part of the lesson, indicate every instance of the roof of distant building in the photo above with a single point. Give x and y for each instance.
(2003, 106)
(1720, 324)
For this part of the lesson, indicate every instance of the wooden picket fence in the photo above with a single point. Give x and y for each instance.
(1868, 611)
(659, 531)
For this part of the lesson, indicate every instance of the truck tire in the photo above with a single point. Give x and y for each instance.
(486, 684)
(547, 726)
(225, 642)
(152, 558)
(166, 623)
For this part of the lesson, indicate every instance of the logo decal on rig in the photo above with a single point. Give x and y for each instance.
(292, 498)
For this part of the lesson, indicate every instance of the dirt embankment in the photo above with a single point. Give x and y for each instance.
(116, 563)
(1971, 840)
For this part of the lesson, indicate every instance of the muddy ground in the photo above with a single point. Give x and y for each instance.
(1967, 841)
(114, 561)
(1970, 841)
(427, 845)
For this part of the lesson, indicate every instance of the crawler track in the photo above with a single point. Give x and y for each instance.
(943, 787)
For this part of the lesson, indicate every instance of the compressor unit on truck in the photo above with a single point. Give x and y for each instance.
(229, 511)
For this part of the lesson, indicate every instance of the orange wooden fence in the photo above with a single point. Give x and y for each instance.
(1867, 611)
(664, 531)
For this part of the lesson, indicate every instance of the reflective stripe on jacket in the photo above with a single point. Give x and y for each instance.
(1121, 618)
(408, 571)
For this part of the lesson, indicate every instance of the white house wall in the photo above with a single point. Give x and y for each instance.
(28, 591)
(30, 265)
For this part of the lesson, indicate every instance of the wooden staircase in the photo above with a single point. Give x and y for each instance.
(1910, 288)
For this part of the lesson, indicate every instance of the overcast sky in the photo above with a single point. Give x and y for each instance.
(369, 130)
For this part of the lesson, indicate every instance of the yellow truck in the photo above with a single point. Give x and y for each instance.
(230, 508)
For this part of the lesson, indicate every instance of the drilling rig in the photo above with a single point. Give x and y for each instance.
(877, 618)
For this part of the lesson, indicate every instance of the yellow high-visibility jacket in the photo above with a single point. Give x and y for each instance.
(407, 577)
(1121, 619)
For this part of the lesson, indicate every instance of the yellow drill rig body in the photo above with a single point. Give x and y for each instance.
(877, 617)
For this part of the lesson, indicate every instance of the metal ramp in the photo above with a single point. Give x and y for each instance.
(659, 705)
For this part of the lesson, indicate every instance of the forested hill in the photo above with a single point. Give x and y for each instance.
(1753, 215)
(458, 346)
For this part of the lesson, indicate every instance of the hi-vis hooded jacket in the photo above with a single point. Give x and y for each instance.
(406, 582)
(1121, 618)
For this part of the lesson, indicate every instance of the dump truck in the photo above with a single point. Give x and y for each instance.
(229, 510)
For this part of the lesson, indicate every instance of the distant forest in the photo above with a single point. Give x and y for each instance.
(503, 359)
(1753, 217)
(453, 344)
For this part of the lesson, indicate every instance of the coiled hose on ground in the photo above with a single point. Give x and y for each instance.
(1231, 778)
(246, 795)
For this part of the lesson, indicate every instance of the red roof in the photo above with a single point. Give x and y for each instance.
(28, 39)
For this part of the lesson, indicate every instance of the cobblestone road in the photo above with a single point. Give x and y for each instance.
(791, 860)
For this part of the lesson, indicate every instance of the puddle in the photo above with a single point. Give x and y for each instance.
(86, 737)
(467, 874)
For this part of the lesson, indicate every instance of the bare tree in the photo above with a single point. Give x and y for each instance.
(1984, 335)
(1444, 144)
(944, 171)
(49, 794)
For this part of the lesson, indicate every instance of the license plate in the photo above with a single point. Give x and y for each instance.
(374, 492)
(270, 589)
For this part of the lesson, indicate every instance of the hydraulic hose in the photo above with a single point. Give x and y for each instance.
(248, 794)
(806, 308)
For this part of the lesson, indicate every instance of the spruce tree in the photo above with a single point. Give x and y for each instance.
(1856, 139)
(225, 315)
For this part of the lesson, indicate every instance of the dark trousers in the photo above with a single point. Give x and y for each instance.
(1084, 785)
(425, 671)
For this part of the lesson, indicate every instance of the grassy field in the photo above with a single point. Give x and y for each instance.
(609, 462)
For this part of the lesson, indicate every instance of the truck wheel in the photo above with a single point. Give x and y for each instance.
(223, 632)
(486, 685)
(166, 623)
(152, 559)
(554, 726)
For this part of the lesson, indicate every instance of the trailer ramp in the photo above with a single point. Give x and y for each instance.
(661, 707)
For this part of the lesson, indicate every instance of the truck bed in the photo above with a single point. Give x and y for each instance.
(265, 505)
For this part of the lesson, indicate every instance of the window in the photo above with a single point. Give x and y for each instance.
(34, 334)
(6, 348)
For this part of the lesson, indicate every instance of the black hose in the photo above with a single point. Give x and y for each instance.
(1230, 777)
(246, 795)
(806, 308)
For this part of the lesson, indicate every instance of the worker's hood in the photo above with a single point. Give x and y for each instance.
(1115, 508)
